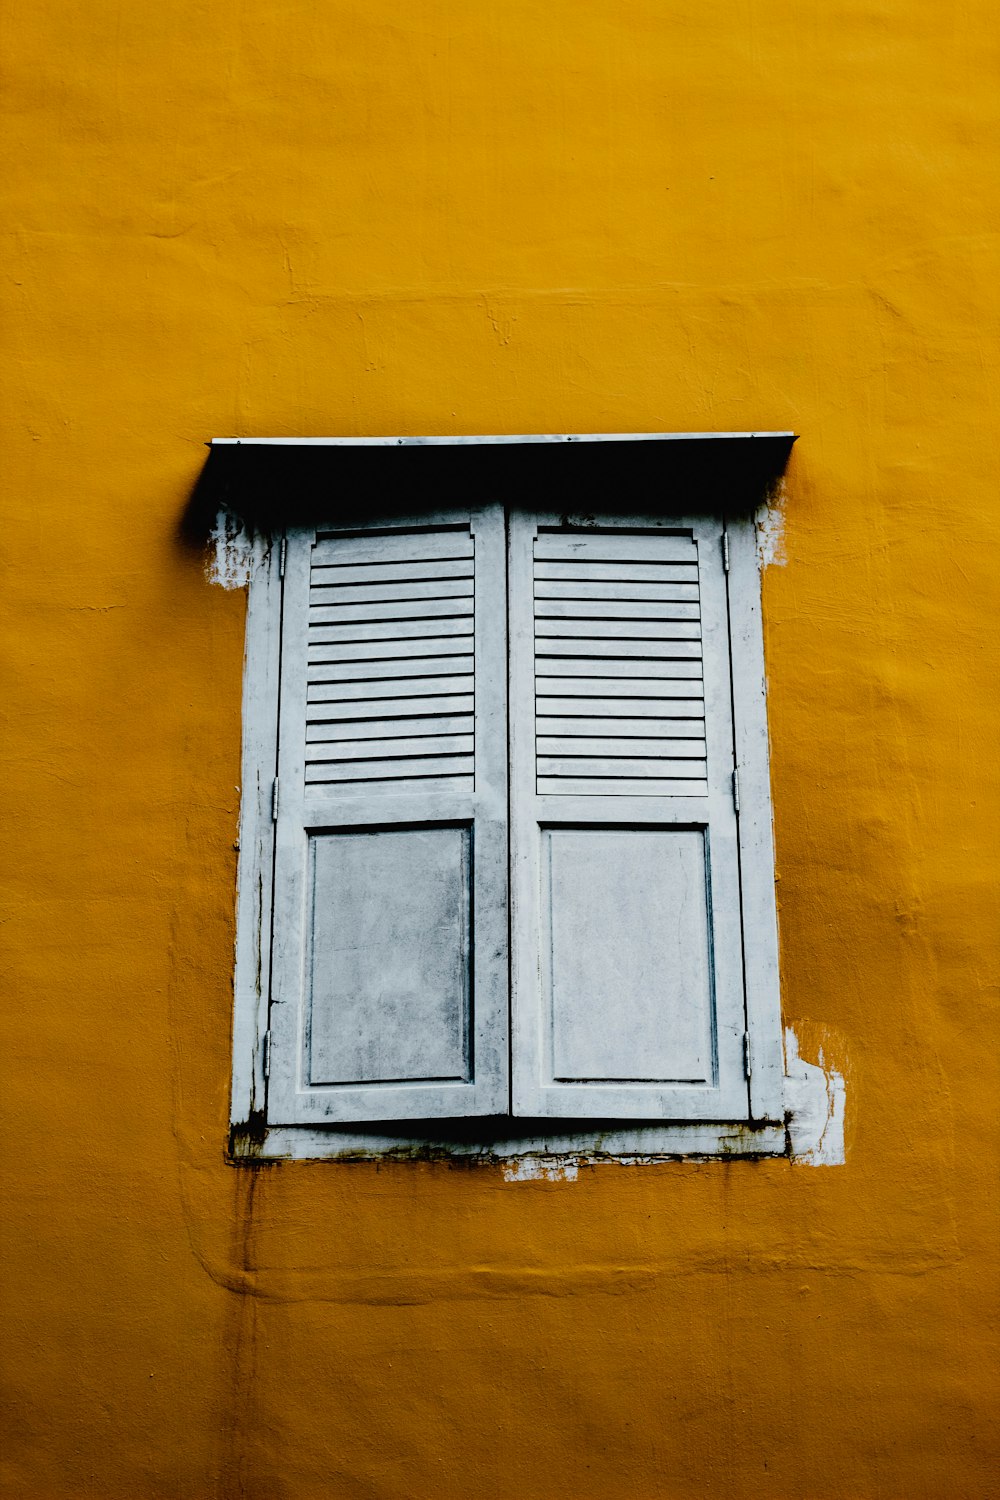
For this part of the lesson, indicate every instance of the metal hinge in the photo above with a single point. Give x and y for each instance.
(281, 557)
(274, 800)
(267, 1054)
(736, 790)
(725, 551)
(746, 1054)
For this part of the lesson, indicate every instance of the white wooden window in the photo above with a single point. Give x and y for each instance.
(506, 868)
(389, 948)
(628, 996)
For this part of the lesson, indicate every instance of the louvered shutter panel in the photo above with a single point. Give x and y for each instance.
(628, 994)
(389, 977)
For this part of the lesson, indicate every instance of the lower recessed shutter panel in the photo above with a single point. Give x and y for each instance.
(389, 977)
(628, 993)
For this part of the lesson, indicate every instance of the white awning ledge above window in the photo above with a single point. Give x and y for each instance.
(275, 482)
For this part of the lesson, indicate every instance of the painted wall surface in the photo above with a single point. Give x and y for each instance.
(431, 216)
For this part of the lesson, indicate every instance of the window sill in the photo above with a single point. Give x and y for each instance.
(474, 1142)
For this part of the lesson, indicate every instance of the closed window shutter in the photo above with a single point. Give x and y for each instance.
(628, 993)
(389, 978)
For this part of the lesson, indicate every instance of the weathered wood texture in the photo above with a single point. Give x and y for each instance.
(628, 995)
(597, 639)
(357, 639)
(631, 980)
(391, 865)
(389, 961)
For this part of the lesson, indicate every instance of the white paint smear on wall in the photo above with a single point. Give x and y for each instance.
(231, 553)
(815, 1103)
(769, 521)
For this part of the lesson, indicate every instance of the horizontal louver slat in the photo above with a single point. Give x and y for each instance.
(610, 687)
(389, 611)
(631, 650)
(618, 666)
(410, 687)
(613, 766)
(390, 664)
(595, 786)
(625, 729)
(320, 785)
(549, 610)
(321, 732)
(631, 630)
(580, 588)
(389, 630)
(600, 547)
(659, 707)
(326, 601)
(322, 710)
(373, 671)
(388, 770)
(613, 668)
(323, 580)
(408, 650)
(569, 745)
(669, 574)
(404, 546)
(343, 751)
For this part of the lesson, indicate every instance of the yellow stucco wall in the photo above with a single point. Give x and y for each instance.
(437, 216)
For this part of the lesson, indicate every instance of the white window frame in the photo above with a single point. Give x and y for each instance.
(764, 1134)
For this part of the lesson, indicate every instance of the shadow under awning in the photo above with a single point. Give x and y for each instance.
(274, 483)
